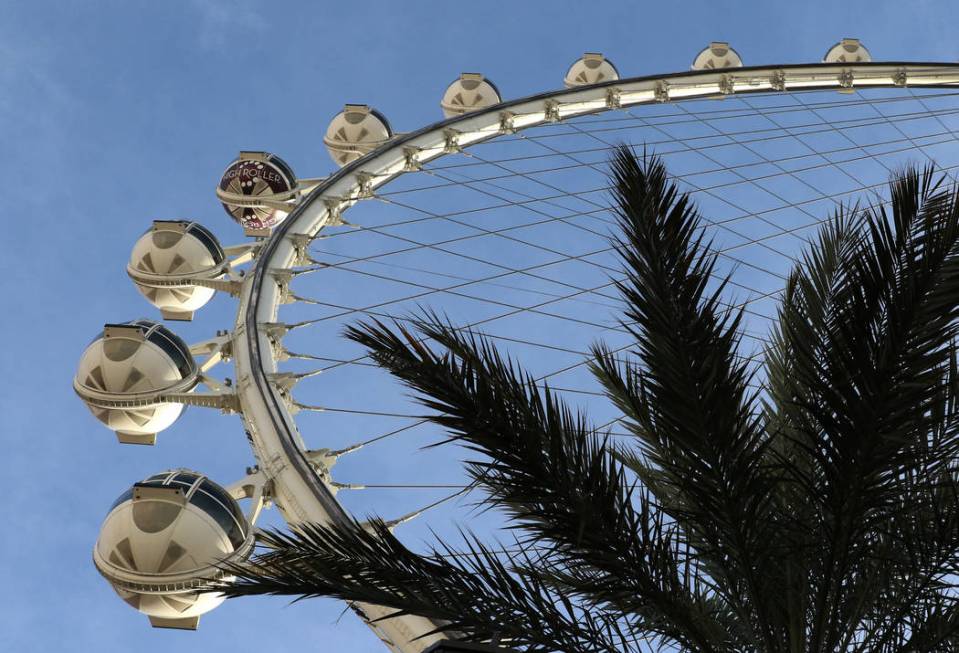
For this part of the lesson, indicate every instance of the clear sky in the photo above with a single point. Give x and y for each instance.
(116, 113)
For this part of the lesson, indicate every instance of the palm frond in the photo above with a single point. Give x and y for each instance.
(474, 595)
(689, 405)
(550, 472)
(859, 373)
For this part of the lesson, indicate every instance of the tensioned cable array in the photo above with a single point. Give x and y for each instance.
(511, 238)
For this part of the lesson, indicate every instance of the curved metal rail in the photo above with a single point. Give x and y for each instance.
(300, 493)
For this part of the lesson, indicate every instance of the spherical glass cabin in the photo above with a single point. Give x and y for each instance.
(168, 258)
(124, 373)
(166, 537)
(591, 68)
(470, 92)
(250, 179)
(355, 131)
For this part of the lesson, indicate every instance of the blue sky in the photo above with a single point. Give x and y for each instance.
(116, 113)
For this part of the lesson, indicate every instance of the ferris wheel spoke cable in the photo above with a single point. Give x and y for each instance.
(417, 245)
(857, 183)
(450, 290)
(488, 335)
(830, 126)
(844, 134)
(722, 198)
(470, 326)
(421, 420)
(898, 128)
(355, 411)
(346, 310)
(512, 173)
(360, 229)
(490, 282)
(466, 182)
(525, 205)
(445, 275)
(772, 134)
(579, 290)
(510, 314)
(706, 220)
(486, 281)
(793, 174)
(779, 133)
(695, 187)
(584, 257)
(602, 326)
(538, 379)
(796, 204)
(431, 215)
(513, 312)
(937, 117)
(764, 159)
(439, 216)
(781, 229)
(415, 486)
(768, 135)
(948, 136)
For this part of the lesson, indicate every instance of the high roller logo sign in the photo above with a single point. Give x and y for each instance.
(264, 176)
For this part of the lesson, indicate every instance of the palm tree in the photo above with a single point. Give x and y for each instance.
(817, 514)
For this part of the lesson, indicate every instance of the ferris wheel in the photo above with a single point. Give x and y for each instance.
(495, 217)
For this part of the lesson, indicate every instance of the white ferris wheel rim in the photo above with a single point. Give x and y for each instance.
(272, 431)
